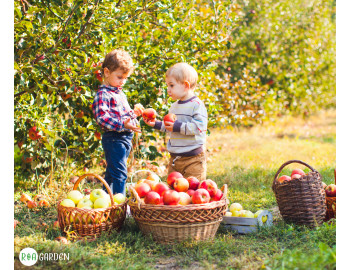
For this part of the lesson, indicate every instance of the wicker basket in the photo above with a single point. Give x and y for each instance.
(90, 223)
(301, 201)
(175, 223)
(331, 204)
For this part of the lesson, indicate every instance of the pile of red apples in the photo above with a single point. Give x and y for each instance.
(178, 191)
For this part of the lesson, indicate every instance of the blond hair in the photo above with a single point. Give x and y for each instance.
(182, 72)
(118, 59)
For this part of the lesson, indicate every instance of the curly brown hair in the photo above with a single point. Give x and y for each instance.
(118, 59)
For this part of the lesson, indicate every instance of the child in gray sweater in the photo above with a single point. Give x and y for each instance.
(186, 144)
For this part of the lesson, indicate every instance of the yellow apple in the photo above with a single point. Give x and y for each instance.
(228, 214)
(85, 203)
(101, 203)
(119, 198)
(96, 194)
(75, 196)
(68, 203)
(235, 207)
(236, 213)
(248, 214)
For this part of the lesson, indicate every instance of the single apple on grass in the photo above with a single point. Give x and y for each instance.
(96, 194)
(142, 189)
(170, 117)
(75, 196)
(284, 178)
(331, 190)
(185, 199)
(25, 197)
(56, 224)
(201, 195)
(32, 204)
(209, 185)
(161, 187)
(298, 171)
(152, 197)
(193, 182)
(181, 185)
(68, 203)
(171, 197)
(172, 177)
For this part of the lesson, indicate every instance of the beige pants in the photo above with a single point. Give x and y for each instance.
(189, 166)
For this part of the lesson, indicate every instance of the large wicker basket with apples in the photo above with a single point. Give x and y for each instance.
(170, 214)
(89, 221)
(301, 197)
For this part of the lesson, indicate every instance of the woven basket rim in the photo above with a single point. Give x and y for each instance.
(92, 210)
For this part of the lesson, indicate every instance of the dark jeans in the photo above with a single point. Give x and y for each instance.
(117, 147)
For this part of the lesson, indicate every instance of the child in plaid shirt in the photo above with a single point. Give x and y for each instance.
(118, 121)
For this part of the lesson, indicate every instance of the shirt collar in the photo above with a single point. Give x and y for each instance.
(111, 88)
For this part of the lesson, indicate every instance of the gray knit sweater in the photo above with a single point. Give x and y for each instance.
(189, 131)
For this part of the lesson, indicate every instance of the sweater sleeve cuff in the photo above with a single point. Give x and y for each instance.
(158, 125)
(177, 126)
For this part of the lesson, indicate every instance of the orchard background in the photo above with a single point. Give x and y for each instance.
(258, 62)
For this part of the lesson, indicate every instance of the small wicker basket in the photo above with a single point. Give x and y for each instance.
(331, 204)
(175, 223)
(90, 223)
(301, 201)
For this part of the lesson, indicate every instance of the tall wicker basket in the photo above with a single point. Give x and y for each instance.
(301, 201)
(90, 223)
(175, 223)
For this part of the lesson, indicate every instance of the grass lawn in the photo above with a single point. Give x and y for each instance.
(247, 161)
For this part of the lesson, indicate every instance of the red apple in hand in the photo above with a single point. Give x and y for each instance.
(172, 177)
(210, 186)
(160, 188)
(284, 178)
(218, 195)
(149, 114)
(331, 190)
(194, 182)
(171, 197)
(142, 189)
(181, 184)
(200, 196)
(152, 197)
(298, 171)
(170, 117)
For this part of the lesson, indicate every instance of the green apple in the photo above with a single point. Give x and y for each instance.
(75, 196)
(101, 203)
(242, 213)
(235, 207)
(119, 198)
(85, 203)
(248, 214)
(68, 203)
(228, 214)
(236, 213)
(96, 194)
(257, 213)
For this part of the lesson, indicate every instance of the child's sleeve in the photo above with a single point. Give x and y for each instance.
(197, 125)
(160, 126)
(100, 108)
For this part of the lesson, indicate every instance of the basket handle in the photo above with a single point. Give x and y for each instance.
(142, 170)
(101, 180)
(289, 162)
(137, 197)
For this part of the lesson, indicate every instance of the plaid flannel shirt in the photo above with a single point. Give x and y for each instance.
(111, 109)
